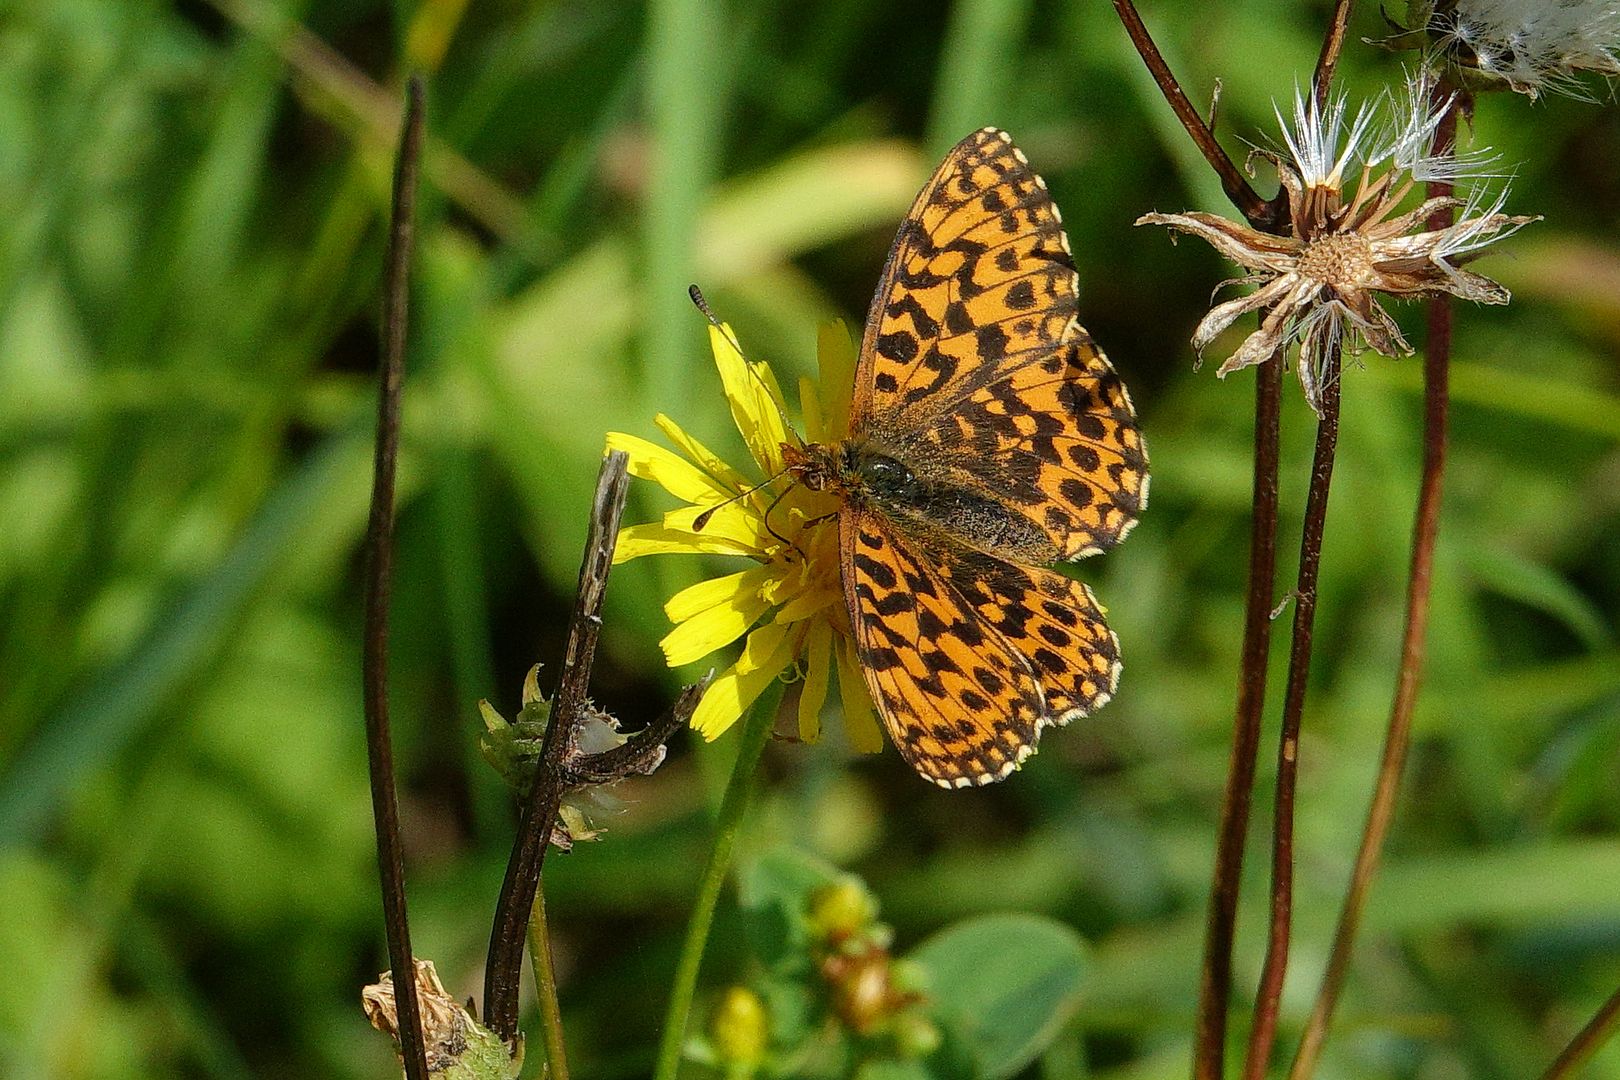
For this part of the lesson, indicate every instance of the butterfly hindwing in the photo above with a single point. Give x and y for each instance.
(1051, 621)
(959, 704)
(968, 657)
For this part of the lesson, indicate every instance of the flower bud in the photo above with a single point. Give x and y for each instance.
(841, 910)
(740, 1028)
(915, 1036)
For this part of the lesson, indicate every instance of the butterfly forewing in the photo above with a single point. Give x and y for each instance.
(979, 278)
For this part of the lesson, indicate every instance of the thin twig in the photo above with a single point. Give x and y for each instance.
(545, 984)
(1260, 213)
(639, 753)
(1328, 59)
(1381, 812)
(1215, 989)
(379, 582)
(503, 970)
(1587, 1041)
(1269, 996)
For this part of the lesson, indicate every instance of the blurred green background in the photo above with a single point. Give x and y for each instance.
(194, 196)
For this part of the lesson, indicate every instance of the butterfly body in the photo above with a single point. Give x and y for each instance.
(872, 475)
(989, 437)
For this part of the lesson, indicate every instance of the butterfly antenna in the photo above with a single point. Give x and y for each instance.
(780, 495)
(703, 519)
(708, 313)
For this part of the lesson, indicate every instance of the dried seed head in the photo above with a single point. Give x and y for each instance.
(1342, 261)
(1359, 231)
(1528, 46)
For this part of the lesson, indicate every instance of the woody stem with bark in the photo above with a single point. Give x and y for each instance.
(522, 882)
(1381, 811)
(1268, 997)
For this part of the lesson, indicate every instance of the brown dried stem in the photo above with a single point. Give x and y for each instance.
(1260, 213)
(503, 970)
(1587, 1041)
(1215, 987)
(379, 574)
(1215, 984)
(561, 768)
(1328, 59)
(1381, 811)
(1269, 995)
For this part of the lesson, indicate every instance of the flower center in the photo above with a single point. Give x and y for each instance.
(1343, 260)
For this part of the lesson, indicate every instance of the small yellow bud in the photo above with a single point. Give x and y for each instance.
(740, 1029)
(841, 910)
(909, 977)
(915, 1036)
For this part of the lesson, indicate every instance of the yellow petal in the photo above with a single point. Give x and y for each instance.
(808, 603)
(835, 357)
(810, 406)
(735, 523)
(757, 414)
(860, 722)
(767, 652)
(695, 599)
(713, 629)
(817, 672)
(706, 459)
(774, 428)
(673, 473)
(655, 539)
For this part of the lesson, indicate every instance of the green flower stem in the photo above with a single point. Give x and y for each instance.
(755, 734)
(545, 987)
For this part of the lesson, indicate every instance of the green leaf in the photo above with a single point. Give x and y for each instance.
(1004, 985)
(887, 1069)
(1506, 886)
(1540, 587)
(774, 894)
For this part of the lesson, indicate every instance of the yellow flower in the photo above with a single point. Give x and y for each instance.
(789, 606)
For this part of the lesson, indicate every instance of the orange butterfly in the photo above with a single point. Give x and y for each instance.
(989, 437)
